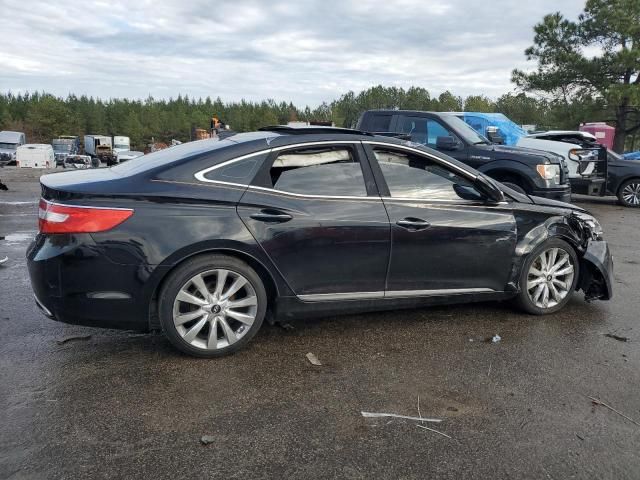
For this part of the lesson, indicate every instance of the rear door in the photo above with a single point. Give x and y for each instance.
(445, 238)
(315, 211)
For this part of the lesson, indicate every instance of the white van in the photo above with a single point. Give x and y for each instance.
(35, 155)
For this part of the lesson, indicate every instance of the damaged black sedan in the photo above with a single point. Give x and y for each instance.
(207, 239)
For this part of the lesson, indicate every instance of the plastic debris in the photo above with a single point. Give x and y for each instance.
(313, 360)
(207, 439)
(496, 338)
(395, 415)
(433, 430)
(3, 260)
(595, 401)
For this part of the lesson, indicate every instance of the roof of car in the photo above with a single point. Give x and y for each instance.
(310, 129)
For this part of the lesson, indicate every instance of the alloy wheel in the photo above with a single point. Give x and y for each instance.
(631, 193)
(215, 309)
(550, 278)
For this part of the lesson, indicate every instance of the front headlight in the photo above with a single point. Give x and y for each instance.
(592, 225)
(549, 172)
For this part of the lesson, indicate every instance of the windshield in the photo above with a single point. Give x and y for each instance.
(123, 146)
(465, 131)
(62, 147)
(8, 146)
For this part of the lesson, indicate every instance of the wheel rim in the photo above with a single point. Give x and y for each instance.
(631, 194)
(550, 278)
(215, 309)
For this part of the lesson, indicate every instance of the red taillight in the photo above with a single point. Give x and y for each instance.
(57, 218)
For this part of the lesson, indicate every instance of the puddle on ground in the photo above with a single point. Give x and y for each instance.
(19, 237)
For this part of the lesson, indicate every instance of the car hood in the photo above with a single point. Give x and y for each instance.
(510, 153)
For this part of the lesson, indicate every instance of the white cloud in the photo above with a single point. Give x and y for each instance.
(305, 51)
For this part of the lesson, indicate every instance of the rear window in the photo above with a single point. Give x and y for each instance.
(169, 155)
(378, 123)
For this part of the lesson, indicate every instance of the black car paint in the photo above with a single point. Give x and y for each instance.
(497, 161)
(619, 171)
(111, 279)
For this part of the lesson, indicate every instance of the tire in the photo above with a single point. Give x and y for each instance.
(629, 193)
(515, 187)
(558, 287)
(183, 309)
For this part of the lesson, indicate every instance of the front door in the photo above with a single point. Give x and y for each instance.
(445, 238)
(316, 213)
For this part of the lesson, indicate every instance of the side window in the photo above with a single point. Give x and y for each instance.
(379, 123)
(326, 171)
(241, 171)
(413, 176)
(424, 130)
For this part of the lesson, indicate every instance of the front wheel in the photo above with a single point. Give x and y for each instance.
(212, 305)
(629, 193)
(548, 277)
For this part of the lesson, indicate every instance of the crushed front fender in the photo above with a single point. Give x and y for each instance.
(596, 272)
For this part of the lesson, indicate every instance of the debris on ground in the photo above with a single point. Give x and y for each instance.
(616, 337)
(433, 430)
(207, 439)
(496, 338)
(313, 360)
(595, 401)
(4, 260)
(395, 415)
(580, 437)
(73, 338)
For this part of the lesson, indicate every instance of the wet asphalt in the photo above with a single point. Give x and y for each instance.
(113, 404)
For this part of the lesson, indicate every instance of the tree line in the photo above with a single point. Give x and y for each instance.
(43, 116)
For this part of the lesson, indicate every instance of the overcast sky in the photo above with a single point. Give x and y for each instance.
(304, 51)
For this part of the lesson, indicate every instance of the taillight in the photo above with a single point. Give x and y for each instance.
(57, 218)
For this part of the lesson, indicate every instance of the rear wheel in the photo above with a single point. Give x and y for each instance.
(629, 193)
(548, 277)
(212, 306)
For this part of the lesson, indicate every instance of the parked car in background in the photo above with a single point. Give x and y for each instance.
(127, 155)
(9, 143)
(304, 222)
(92, 142)
(529, 171)
(586, 165)
(80, 162)
(35, 155)
(64, 146)
(121, 144)
(624, 179)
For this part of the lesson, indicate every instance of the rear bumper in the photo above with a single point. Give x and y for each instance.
(75, 284)
(596, 278)
(562, 193)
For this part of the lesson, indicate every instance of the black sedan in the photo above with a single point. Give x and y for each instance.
(203, 239)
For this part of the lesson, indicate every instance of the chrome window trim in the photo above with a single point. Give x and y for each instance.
(327, 297)
(200, 175)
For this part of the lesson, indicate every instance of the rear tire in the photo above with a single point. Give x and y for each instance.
(548, 278)
(629, 193)
(212, 305)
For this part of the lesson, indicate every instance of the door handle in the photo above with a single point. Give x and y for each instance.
(413, 224)
(271, 216)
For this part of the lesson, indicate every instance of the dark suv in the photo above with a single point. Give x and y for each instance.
(534, 172)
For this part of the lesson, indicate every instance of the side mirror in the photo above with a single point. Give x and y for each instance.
(446, 143)
(489, 188)
(495, 137)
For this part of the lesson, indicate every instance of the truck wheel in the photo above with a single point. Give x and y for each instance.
(548, 277)
(629, 193)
